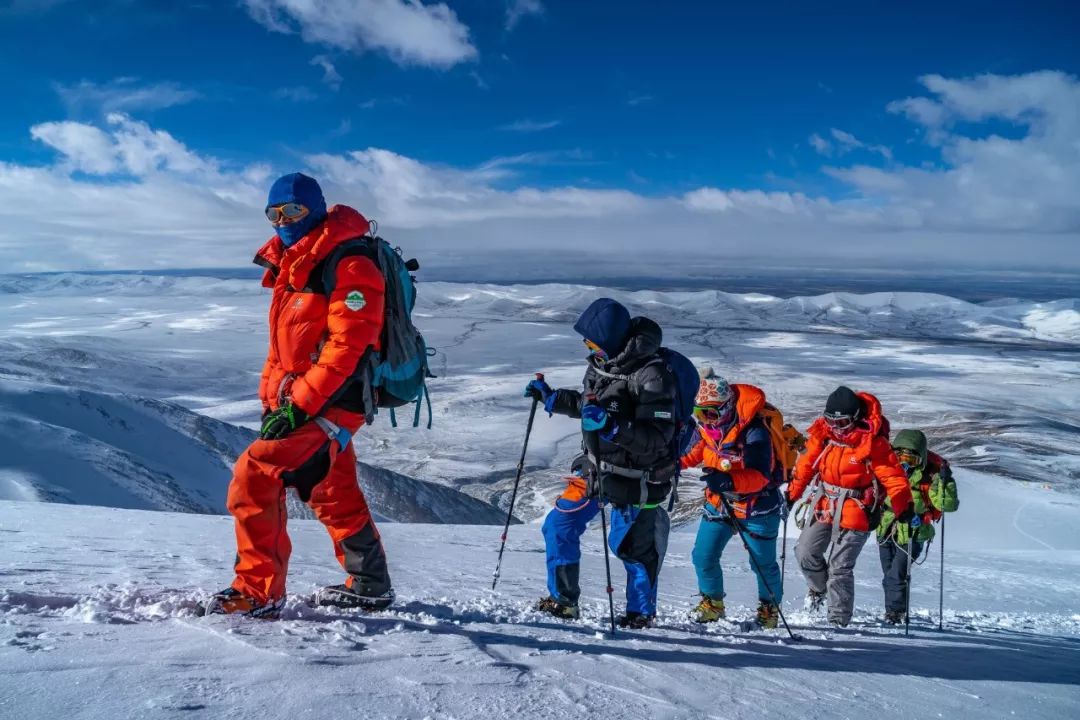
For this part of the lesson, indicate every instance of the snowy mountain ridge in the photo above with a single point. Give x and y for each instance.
(898, 314)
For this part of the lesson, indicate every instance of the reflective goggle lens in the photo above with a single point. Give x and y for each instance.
(713, 415)
(289, 211)
(707, 415)
(839, 422)
(908, 457)
(595, 349)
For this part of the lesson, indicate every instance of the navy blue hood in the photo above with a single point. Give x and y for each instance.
(607, 323)
(298, 188)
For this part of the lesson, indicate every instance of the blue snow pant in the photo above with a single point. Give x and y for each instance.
(713, 535)
(637, 536)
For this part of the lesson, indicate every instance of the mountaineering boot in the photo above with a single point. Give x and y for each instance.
(634, 621)
(343, 596)
(553, 607)
(708, 610)
(895, 617)
(232, 602)
(768, 615)
(815, 601)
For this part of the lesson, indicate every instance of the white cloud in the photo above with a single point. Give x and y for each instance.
(123, 95)
(845, 143)
(295, 94)
(639, 99)
(411, 194)
(820, 144)
(517, 10)
(530, 126)
(409, 31)
(331, 76)
(987, 183)
(752, 201)
(85, 148)
(122, 193)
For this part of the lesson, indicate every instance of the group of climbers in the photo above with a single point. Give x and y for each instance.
(846, 476)
(327, 317)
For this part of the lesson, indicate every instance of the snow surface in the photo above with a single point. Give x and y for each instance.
(97, 621)
(137, 392)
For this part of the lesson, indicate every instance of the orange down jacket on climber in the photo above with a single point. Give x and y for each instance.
(852, 463)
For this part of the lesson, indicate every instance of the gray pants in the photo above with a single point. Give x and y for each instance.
(835, 575)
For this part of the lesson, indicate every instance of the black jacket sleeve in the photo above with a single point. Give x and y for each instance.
(651, 431)
(567, 402)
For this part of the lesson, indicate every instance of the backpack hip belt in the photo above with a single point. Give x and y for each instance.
(644, 477)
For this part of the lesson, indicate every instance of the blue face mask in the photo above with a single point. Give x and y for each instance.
(290, 234)
(907, 468)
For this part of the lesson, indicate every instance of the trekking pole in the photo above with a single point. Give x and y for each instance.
(517, 481)
(783, 551)
(915, 522)
(607, 560)
(590, 443)
(941, 581)
(757, 568)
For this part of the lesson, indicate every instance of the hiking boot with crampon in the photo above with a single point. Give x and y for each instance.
(768, 615)
(708, 610)
(634, 621)
(815, 601)
(232, 602)
(553, 607)
(343, 596)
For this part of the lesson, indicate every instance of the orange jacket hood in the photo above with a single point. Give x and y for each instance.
(342, 223)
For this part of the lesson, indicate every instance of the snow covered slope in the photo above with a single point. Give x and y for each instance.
(94, 448)
(96, 621)
(996, 385)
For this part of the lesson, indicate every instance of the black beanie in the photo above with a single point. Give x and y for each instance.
(844, 401)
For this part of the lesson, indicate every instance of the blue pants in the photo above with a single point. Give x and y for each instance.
(637, 537)
(713, 535)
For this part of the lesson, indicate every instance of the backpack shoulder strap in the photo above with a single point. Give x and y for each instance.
(324, 280)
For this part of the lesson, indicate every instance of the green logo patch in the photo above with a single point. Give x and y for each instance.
(355, 300)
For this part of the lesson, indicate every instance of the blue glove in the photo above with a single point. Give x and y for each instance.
(718, 480)
(593, 418)
(539, 390)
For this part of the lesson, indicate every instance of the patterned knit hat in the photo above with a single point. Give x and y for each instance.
(714, 390)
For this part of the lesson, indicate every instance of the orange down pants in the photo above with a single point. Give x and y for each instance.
(324, 477)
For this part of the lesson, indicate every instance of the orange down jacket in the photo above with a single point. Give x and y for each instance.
(852, 463)
(750, 400)
(317, 341)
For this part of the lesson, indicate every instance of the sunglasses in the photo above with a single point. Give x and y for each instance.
(290, 212)
(595, 349)
(839, 422)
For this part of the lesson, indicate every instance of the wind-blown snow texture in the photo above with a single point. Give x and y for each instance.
(137, 392)
(96, 618)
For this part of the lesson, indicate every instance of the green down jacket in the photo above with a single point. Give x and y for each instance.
(933, 490)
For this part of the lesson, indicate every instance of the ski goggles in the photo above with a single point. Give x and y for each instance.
(838, 422)
(595, 349)
(908, 457)
(286, 212)
(712, 414)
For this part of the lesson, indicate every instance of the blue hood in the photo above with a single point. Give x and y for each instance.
(607, 323)
(298, 188)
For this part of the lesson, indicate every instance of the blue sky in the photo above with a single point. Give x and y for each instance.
(484, 119)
